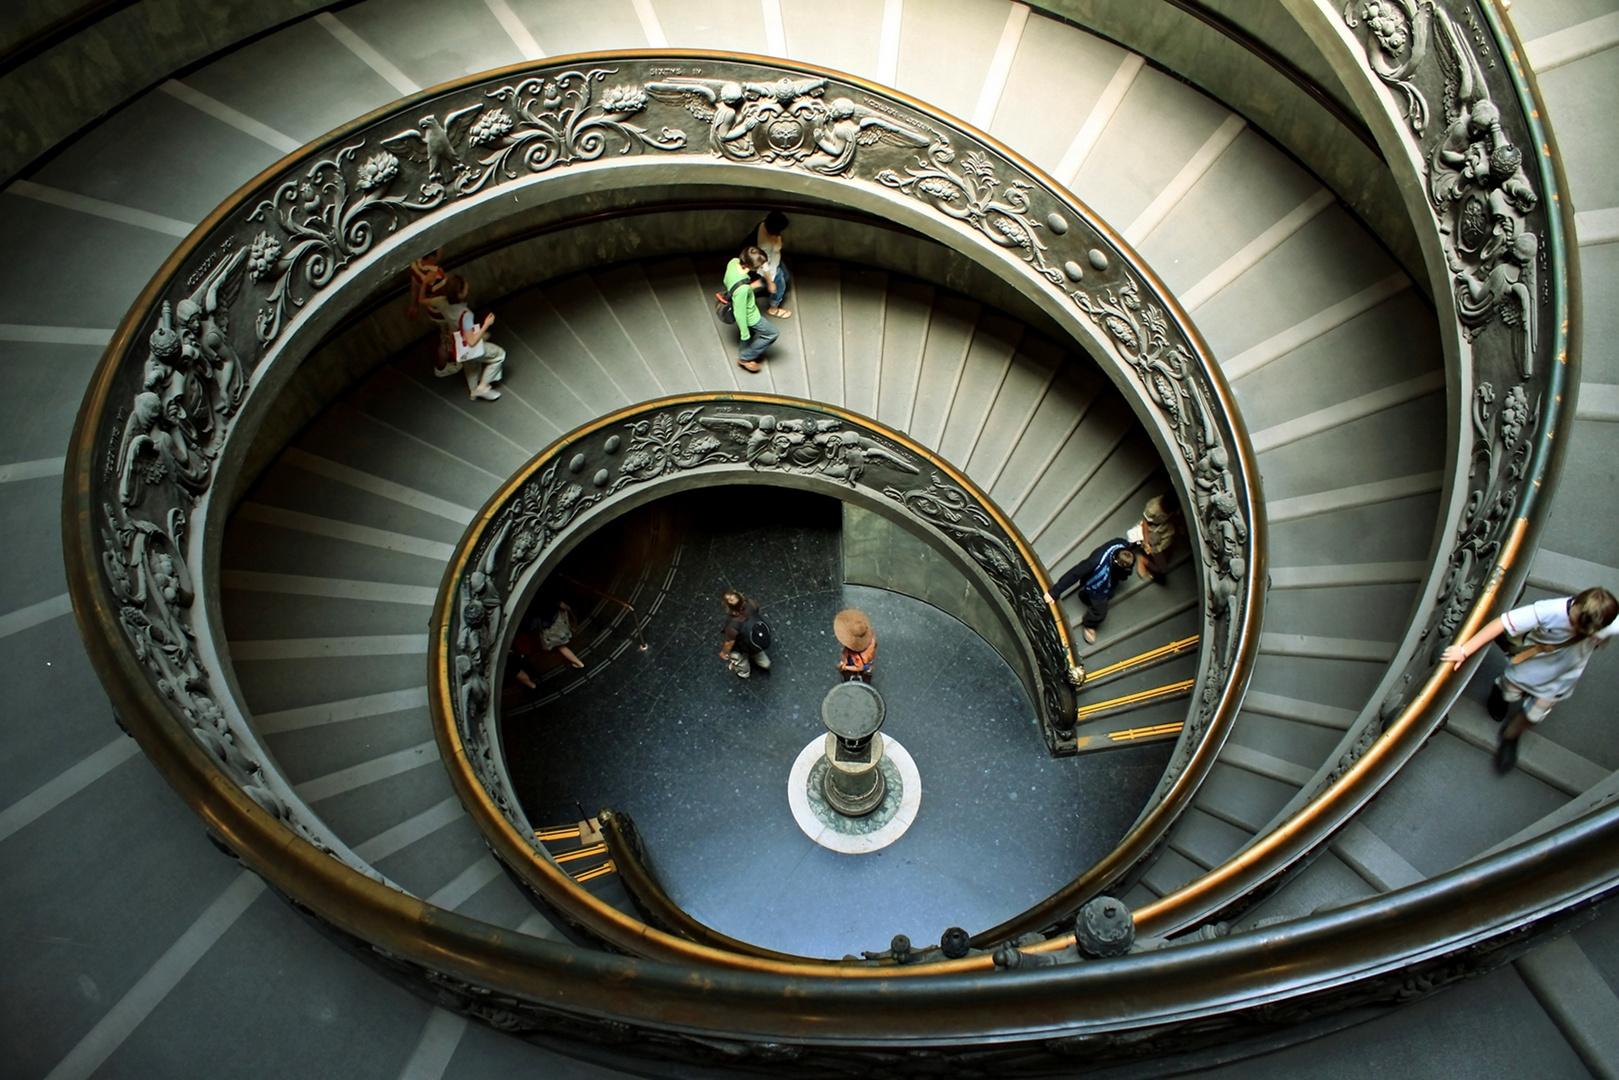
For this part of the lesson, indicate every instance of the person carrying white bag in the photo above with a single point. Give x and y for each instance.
(480, 360)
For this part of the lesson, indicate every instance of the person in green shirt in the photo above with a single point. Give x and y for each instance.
(756, 331)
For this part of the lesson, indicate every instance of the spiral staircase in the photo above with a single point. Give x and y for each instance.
(136, 948)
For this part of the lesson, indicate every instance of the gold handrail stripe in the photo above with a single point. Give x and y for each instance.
(608, 920)
(235, 816)
(565, 833)
(1163, 651)
(581, 853)
(1140, 697)
(595, 872)
(1129, 734)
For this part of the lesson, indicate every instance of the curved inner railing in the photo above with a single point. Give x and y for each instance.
(641, 453)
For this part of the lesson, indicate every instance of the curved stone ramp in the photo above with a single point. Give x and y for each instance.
(84, 240)
(332, 560)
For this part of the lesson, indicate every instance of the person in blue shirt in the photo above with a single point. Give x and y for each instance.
(1095, 577)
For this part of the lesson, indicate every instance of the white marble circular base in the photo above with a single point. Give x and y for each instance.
(828, 833)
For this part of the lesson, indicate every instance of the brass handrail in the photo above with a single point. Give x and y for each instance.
(655, 904)
(1401, 935)
(1137, 699)
(1140, 662)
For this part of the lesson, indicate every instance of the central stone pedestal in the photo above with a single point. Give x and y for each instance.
(853, 783)
(852, 789)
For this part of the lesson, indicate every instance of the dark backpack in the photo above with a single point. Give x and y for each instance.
(756, 633)
(723, 307)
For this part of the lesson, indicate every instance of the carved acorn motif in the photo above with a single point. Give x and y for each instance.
(624, 100)
(492, 125)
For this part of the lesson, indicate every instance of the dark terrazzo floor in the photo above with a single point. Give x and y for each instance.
(700, 758)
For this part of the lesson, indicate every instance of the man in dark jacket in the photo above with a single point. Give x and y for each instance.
(1096, 576)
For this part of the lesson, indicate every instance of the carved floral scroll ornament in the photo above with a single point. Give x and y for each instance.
(953, 512)
(974, 195)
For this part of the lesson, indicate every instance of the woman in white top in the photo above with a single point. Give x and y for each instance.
(775, 275)
(1558, 638)
(479, 359)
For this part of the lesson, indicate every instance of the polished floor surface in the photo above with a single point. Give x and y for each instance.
(700, 759)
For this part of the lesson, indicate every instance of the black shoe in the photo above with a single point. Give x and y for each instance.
(1497, 703)
(1506, 755)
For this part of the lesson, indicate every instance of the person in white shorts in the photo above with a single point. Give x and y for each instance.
(1552, 642)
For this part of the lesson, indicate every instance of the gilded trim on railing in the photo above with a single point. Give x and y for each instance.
(771, 1016)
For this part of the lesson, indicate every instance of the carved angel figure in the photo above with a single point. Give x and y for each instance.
(435, 145)
(723, 106)
(203, 322)
(480, 628)
(1480, 293)
(770, 443)
(734, 111)
(148, 576)
(846, 454)
(1225, 531)
(1482, 194)
(1474, 154)
(847, 126)
(160, 440)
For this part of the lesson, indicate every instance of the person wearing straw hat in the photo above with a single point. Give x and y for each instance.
(859, 642)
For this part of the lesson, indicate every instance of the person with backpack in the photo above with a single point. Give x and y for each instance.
(1096, 576)
(1550, 642)
(756, 331)
(746, 635)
